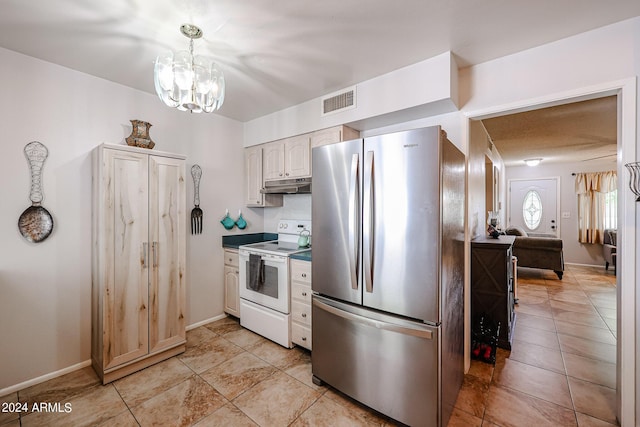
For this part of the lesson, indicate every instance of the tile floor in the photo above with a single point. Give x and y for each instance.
(561, 371)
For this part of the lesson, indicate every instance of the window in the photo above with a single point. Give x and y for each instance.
(532, 209)
(597, 205)
(611, 209)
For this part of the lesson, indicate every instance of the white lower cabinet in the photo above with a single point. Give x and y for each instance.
(231, 283)
(301, 303)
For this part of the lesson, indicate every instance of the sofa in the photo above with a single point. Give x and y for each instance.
(609, 248)
(537, 251)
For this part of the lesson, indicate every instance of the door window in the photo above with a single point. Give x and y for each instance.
(532, 209)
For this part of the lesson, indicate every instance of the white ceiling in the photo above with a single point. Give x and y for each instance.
(279, 53)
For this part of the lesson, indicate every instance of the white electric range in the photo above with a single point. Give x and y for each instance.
(265, 306)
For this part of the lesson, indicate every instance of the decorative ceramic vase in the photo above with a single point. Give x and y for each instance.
(140, 135)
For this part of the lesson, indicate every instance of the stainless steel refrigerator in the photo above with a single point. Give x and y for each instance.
(387, 272)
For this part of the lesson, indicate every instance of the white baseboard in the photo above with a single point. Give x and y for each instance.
(43, 378)
(55, 374)
(206, 321)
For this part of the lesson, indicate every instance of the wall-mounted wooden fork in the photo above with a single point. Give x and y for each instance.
(196, 212)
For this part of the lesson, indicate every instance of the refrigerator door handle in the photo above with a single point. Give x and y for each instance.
(405, 330)
(353, 219)
(367, 223)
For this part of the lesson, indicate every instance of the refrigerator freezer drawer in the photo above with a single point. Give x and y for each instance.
(388, 364)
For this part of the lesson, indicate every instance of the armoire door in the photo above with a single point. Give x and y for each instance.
(125, 315)
(167, 228)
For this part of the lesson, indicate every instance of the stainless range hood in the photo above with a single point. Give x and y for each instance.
(287, 186)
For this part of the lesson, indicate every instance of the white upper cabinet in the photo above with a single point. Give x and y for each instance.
(253, 176)
(287, 158)
(273, 160)
(333, 135)
(284, 159)
(253, 158)
(297, 157)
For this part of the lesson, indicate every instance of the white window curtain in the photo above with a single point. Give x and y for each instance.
(597, 204)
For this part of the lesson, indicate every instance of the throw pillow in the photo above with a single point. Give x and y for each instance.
(516, 231)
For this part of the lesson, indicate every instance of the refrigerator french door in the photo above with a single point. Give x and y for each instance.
(387, 271)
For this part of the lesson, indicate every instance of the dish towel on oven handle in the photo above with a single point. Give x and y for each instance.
(256, 272)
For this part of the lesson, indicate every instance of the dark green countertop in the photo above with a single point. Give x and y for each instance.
(303, 256)
(235, 240)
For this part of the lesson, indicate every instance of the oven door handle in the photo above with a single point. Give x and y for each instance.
(265, 258)
(274, 260)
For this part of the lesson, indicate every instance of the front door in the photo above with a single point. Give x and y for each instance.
(534, 205)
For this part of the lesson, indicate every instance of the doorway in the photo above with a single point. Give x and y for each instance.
(533, 205)
(625, 92)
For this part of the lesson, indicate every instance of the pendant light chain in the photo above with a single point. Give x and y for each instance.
(193, 72)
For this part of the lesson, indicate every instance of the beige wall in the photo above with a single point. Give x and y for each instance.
(480, 149)
(476, 169)
(45, 288)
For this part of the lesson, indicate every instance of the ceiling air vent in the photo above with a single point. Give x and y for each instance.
(339, 101)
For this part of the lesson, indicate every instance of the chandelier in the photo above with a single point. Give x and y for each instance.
(187, 82)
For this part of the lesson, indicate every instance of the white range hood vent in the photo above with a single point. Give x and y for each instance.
(339, 101)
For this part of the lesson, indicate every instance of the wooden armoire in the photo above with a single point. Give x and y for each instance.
(138, 261)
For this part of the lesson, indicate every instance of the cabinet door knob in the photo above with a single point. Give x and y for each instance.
(304, 294)
(304, 338)
(304, 274)
(304, 314)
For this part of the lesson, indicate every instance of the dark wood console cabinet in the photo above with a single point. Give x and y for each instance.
(492, 284)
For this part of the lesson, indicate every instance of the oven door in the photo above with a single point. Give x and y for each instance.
(274, 291)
